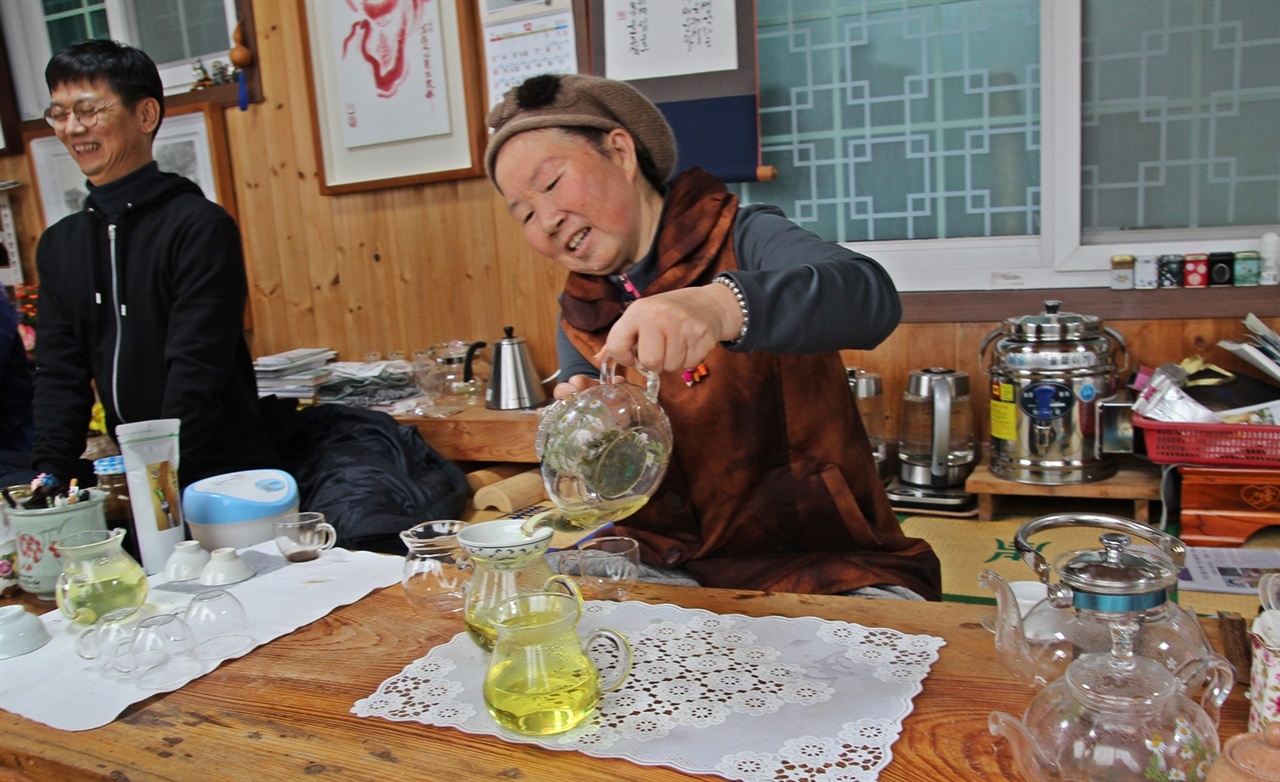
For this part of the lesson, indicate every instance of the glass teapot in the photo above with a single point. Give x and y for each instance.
(604, 451)
(1118, 716)
(1094, 588)
(452, 373)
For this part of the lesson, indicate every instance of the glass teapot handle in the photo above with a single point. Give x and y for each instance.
(1174, 548)
(608, 369)
(1218, 676)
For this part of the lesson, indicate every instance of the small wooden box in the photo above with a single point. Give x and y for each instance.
(1223, 506)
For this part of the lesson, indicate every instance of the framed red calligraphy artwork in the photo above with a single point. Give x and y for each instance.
(396, 91)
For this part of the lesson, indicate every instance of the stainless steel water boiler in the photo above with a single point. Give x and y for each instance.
(1049, 373)
(868, 394)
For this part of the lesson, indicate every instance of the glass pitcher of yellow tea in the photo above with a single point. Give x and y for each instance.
(97, 575)
(540, 679)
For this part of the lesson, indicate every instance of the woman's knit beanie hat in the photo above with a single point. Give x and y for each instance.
(576, 100)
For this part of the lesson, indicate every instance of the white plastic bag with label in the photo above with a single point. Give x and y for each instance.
(150, 451)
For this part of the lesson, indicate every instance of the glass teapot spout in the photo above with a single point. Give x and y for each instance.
(1020, 739)
(1011, 639)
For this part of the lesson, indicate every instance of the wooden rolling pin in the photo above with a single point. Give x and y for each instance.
(512, 493)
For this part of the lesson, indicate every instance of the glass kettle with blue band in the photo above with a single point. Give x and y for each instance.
(1095, 588)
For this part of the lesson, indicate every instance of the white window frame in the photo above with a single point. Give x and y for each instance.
(1057, 257)
(28, 42)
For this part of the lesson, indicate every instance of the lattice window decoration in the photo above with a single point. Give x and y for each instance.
(1180, 105)
(897, 120)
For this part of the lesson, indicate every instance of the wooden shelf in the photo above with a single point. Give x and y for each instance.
(1135, 481)
(478, 434)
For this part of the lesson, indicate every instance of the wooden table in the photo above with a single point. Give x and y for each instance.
(283, 711)
(478, 434)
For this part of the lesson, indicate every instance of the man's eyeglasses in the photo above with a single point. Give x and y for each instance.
(86, 113)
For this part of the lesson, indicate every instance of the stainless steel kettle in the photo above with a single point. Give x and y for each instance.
(514, 384)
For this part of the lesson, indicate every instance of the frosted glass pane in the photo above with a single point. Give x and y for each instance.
(1181, 106)
(901, 120)
(181, 30)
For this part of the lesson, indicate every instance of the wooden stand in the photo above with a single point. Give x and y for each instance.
(1136, 482)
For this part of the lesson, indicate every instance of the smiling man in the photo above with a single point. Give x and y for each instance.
(142, 292)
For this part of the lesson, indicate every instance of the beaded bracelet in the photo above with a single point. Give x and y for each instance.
(728, 281)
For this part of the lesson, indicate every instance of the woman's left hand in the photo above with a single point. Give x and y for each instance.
(670, 331)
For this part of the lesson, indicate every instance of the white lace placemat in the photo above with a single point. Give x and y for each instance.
(746, 698)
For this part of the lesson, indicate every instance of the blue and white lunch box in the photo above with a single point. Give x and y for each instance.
(237, 509)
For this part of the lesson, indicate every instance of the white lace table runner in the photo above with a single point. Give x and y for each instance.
(54, 686)
(746, 698)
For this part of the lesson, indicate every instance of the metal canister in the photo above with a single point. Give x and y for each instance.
(1049, 372)
(868, 394)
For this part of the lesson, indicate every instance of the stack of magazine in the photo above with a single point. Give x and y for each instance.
(1262, 349)
(294, 373)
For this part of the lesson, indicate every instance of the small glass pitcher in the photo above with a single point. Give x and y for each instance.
(540, 679)
(97, 575)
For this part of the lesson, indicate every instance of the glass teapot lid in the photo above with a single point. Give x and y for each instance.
(1115, 578)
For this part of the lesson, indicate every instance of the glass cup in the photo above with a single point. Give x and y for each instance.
(162, 653)
(605, 567)
(218, 624)
(106, 642)
(302, 536)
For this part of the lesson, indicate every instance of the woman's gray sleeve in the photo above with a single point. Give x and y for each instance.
(805, 294)
(572, 362)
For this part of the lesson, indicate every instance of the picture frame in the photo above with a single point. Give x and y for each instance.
(192, 141)
(383, 117)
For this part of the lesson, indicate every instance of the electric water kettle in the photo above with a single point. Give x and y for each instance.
(1096, 588)
(935, 447)
(514, 384)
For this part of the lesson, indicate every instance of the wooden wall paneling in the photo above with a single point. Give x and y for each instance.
(529, 283)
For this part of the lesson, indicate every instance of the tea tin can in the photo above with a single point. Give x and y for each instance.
(1246, 269)
(1222, 269)
(1146, 275)
(1121, 272)
(1195, 270)
(1171, 271)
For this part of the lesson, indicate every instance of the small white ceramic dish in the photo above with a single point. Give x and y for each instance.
(502, 539)
(225, 567)
(187, 561)
(20, 632)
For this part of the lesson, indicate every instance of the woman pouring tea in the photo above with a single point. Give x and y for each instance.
(771, 483)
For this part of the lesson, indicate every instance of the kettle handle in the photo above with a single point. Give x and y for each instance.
(608, 369)
(471, 353)
(1124, 346)
(986, 342)
(1175, 548)
(941, 430)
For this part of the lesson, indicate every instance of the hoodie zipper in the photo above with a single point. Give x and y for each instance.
(119, 315)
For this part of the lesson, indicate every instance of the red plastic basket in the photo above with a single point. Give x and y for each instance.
(1229, 445)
